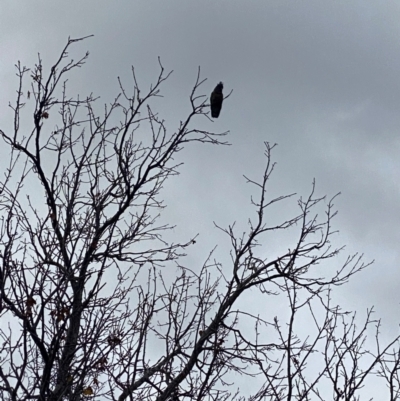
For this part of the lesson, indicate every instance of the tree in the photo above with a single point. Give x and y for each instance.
(88, 306)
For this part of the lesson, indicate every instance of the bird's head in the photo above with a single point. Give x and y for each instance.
(219, 87)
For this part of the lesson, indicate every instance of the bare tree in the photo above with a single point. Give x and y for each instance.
(96, 303)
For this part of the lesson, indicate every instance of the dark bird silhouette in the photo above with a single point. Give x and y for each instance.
(216, 99)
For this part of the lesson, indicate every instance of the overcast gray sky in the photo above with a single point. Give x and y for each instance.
(320, 78)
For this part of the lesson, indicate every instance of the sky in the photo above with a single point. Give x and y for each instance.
(319, 78)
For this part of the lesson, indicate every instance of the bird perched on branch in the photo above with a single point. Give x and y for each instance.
(216, 99)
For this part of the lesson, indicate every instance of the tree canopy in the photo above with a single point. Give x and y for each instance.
(96, 303)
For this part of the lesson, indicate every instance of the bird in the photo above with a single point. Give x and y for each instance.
(216, 99)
